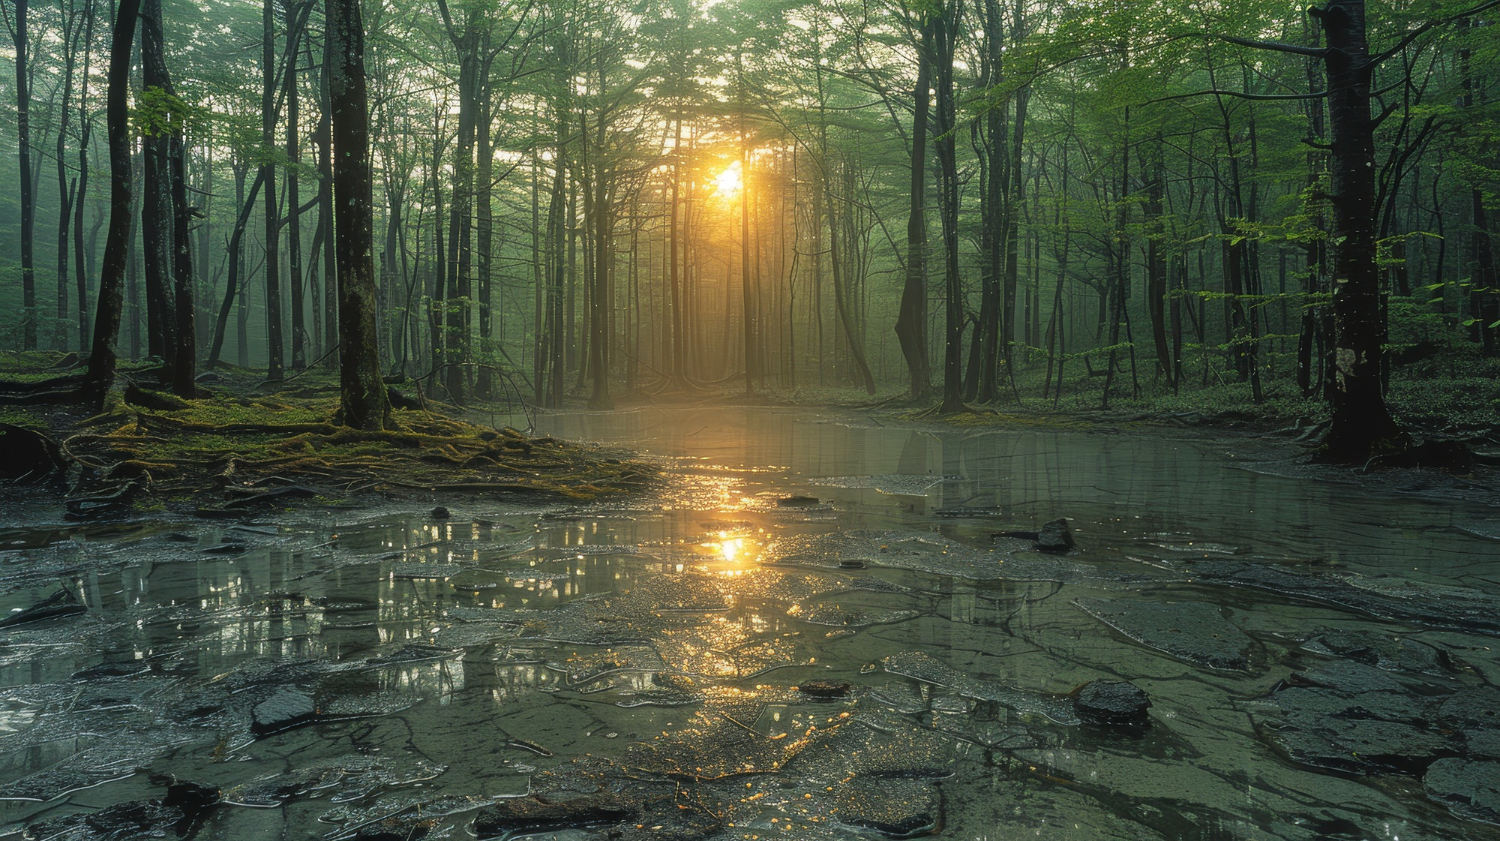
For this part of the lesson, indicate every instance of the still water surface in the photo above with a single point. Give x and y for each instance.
(1318, 656)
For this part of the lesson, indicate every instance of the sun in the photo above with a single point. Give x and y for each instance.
(727, 183)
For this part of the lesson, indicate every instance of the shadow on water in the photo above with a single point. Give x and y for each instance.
(707, 662)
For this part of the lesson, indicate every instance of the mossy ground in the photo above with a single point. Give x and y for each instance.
(237, 441)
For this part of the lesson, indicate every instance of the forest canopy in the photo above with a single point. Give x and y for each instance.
(966, 201)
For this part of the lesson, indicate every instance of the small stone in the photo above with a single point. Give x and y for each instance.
(532, 814)
(1112, 703)
(440, 513)
(1055, 537)
(826, 689)
(192, 799)
(282, 711)
(61, 603)
(798, 501)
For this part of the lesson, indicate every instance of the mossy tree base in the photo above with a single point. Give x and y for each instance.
(149, 450)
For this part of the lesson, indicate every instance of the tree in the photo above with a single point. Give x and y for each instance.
(363, 401)
(101, 368)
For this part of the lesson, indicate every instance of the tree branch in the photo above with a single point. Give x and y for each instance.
(1277, 46)
(1424, 28)
(1258, 97)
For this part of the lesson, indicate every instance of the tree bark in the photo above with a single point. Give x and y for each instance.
(362, 394)
(21, 38)
(945, 38)
(1361, 425)
(911, 322)
(101, 368)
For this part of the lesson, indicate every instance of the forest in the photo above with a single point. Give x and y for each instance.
(723, 420)
(968, 203)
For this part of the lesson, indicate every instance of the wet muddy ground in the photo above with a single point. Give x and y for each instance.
(717, 660)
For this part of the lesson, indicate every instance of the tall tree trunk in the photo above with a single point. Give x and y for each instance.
(484, 241)
(234, 288)
(911, 322)
(1361, 424)
(362, 395)
(293, 198)
(325, 211)
(156, 190)
(102, 359)
(272, 227)
(86, 125)
(21, 38)
(66, 193)
(945, 38)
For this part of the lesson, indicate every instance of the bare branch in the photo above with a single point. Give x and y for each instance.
(1424, 28)
(1258, 97)
(1277, 46)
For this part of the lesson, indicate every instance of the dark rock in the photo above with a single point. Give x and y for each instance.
(286, 709)
(851, 563)
(208, 377)
(119, 822)
(271, 497)
(401, 401)
(826, 689)
(1055, 537)
(440, 513)
(798, 501)
(1482, 743)
(1380, 730)
(192, 799)
(61, 603)
(1471, 789)
(1190, 631)
(26, 454)
(1112, 703)
(1382, 650)
(535, 814)
(1478, 613)
(225, 549)
(1476, 707)
(895, 807)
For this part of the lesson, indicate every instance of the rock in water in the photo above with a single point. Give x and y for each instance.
(61, 603)
(26, 454)
(896, 807)
(1055, 537)
(533, 814)
(1112, 703)
(798, 501)
(826, 689)
(1471, 789)
(440, 513)
(282, 711)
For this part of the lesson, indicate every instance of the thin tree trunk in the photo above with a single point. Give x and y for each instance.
(102, 359)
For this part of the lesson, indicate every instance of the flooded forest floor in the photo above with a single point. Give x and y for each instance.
(800, 624)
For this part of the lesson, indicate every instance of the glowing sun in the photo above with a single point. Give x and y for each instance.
(727, 183)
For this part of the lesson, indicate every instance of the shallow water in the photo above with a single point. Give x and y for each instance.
(1318, 655)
